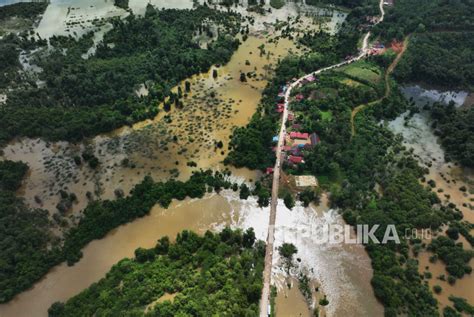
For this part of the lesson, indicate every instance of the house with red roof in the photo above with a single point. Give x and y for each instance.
(299, 135)
(269, 170)
(295, 159)
(299, 97)
(291, 116)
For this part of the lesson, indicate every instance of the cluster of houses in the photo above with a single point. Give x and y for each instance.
(295, 142)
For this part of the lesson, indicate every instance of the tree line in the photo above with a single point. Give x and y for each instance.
(209, 275)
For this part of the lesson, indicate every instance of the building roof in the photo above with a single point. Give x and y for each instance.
(298, 135)
(269, 170)
(295, 159)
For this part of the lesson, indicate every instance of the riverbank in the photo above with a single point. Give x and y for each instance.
(348, 287)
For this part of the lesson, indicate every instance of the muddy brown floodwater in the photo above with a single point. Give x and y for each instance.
(343, 272)
(162, 147)
(448, 177)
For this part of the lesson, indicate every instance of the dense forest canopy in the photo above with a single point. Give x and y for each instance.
(84, 97)
(408, 16)
(25, 238)
(22, 10)
(455, 128)
(440, 58)
(440, 48)
(210, 275)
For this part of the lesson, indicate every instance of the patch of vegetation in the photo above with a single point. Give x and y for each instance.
(440, 59)
(454, 127)
(27, 249)
(84, 97)
(453, 255)
(26, 10)
(461, 305)
(286, 251)
(277, 4)
(121, 4)
(363, 71)
(216, 274)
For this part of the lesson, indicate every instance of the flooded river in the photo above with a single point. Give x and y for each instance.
(162, 147)
(343, 272)
(418, 135)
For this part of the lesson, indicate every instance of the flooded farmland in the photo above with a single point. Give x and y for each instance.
(163, 147)
(449, 178)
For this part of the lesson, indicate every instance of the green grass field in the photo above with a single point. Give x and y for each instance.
(326, 115)
(363, 71)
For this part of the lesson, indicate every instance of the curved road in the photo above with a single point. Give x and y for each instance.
(388, 88)
(264, 301)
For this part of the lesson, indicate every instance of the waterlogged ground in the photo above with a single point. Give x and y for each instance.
(162, 147)
(343, 272)
(418, 135)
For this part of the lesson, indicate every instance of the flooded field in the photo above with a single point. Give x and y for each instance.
(418, 135)
(343, 272)
(196, 133)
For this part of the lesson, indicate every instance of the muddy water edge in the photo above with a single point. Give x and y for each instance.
(162, 147)
(449, 178)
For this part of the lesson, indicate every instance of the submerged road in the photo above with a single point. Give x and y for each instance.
(267, 272)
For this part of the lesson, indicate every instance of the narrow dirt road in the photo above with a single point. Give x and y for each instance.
(388, 88)
(265, 299)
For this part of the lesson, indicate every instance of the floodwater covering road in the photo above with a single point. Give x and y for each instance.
(346, 286)
(276, 174)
